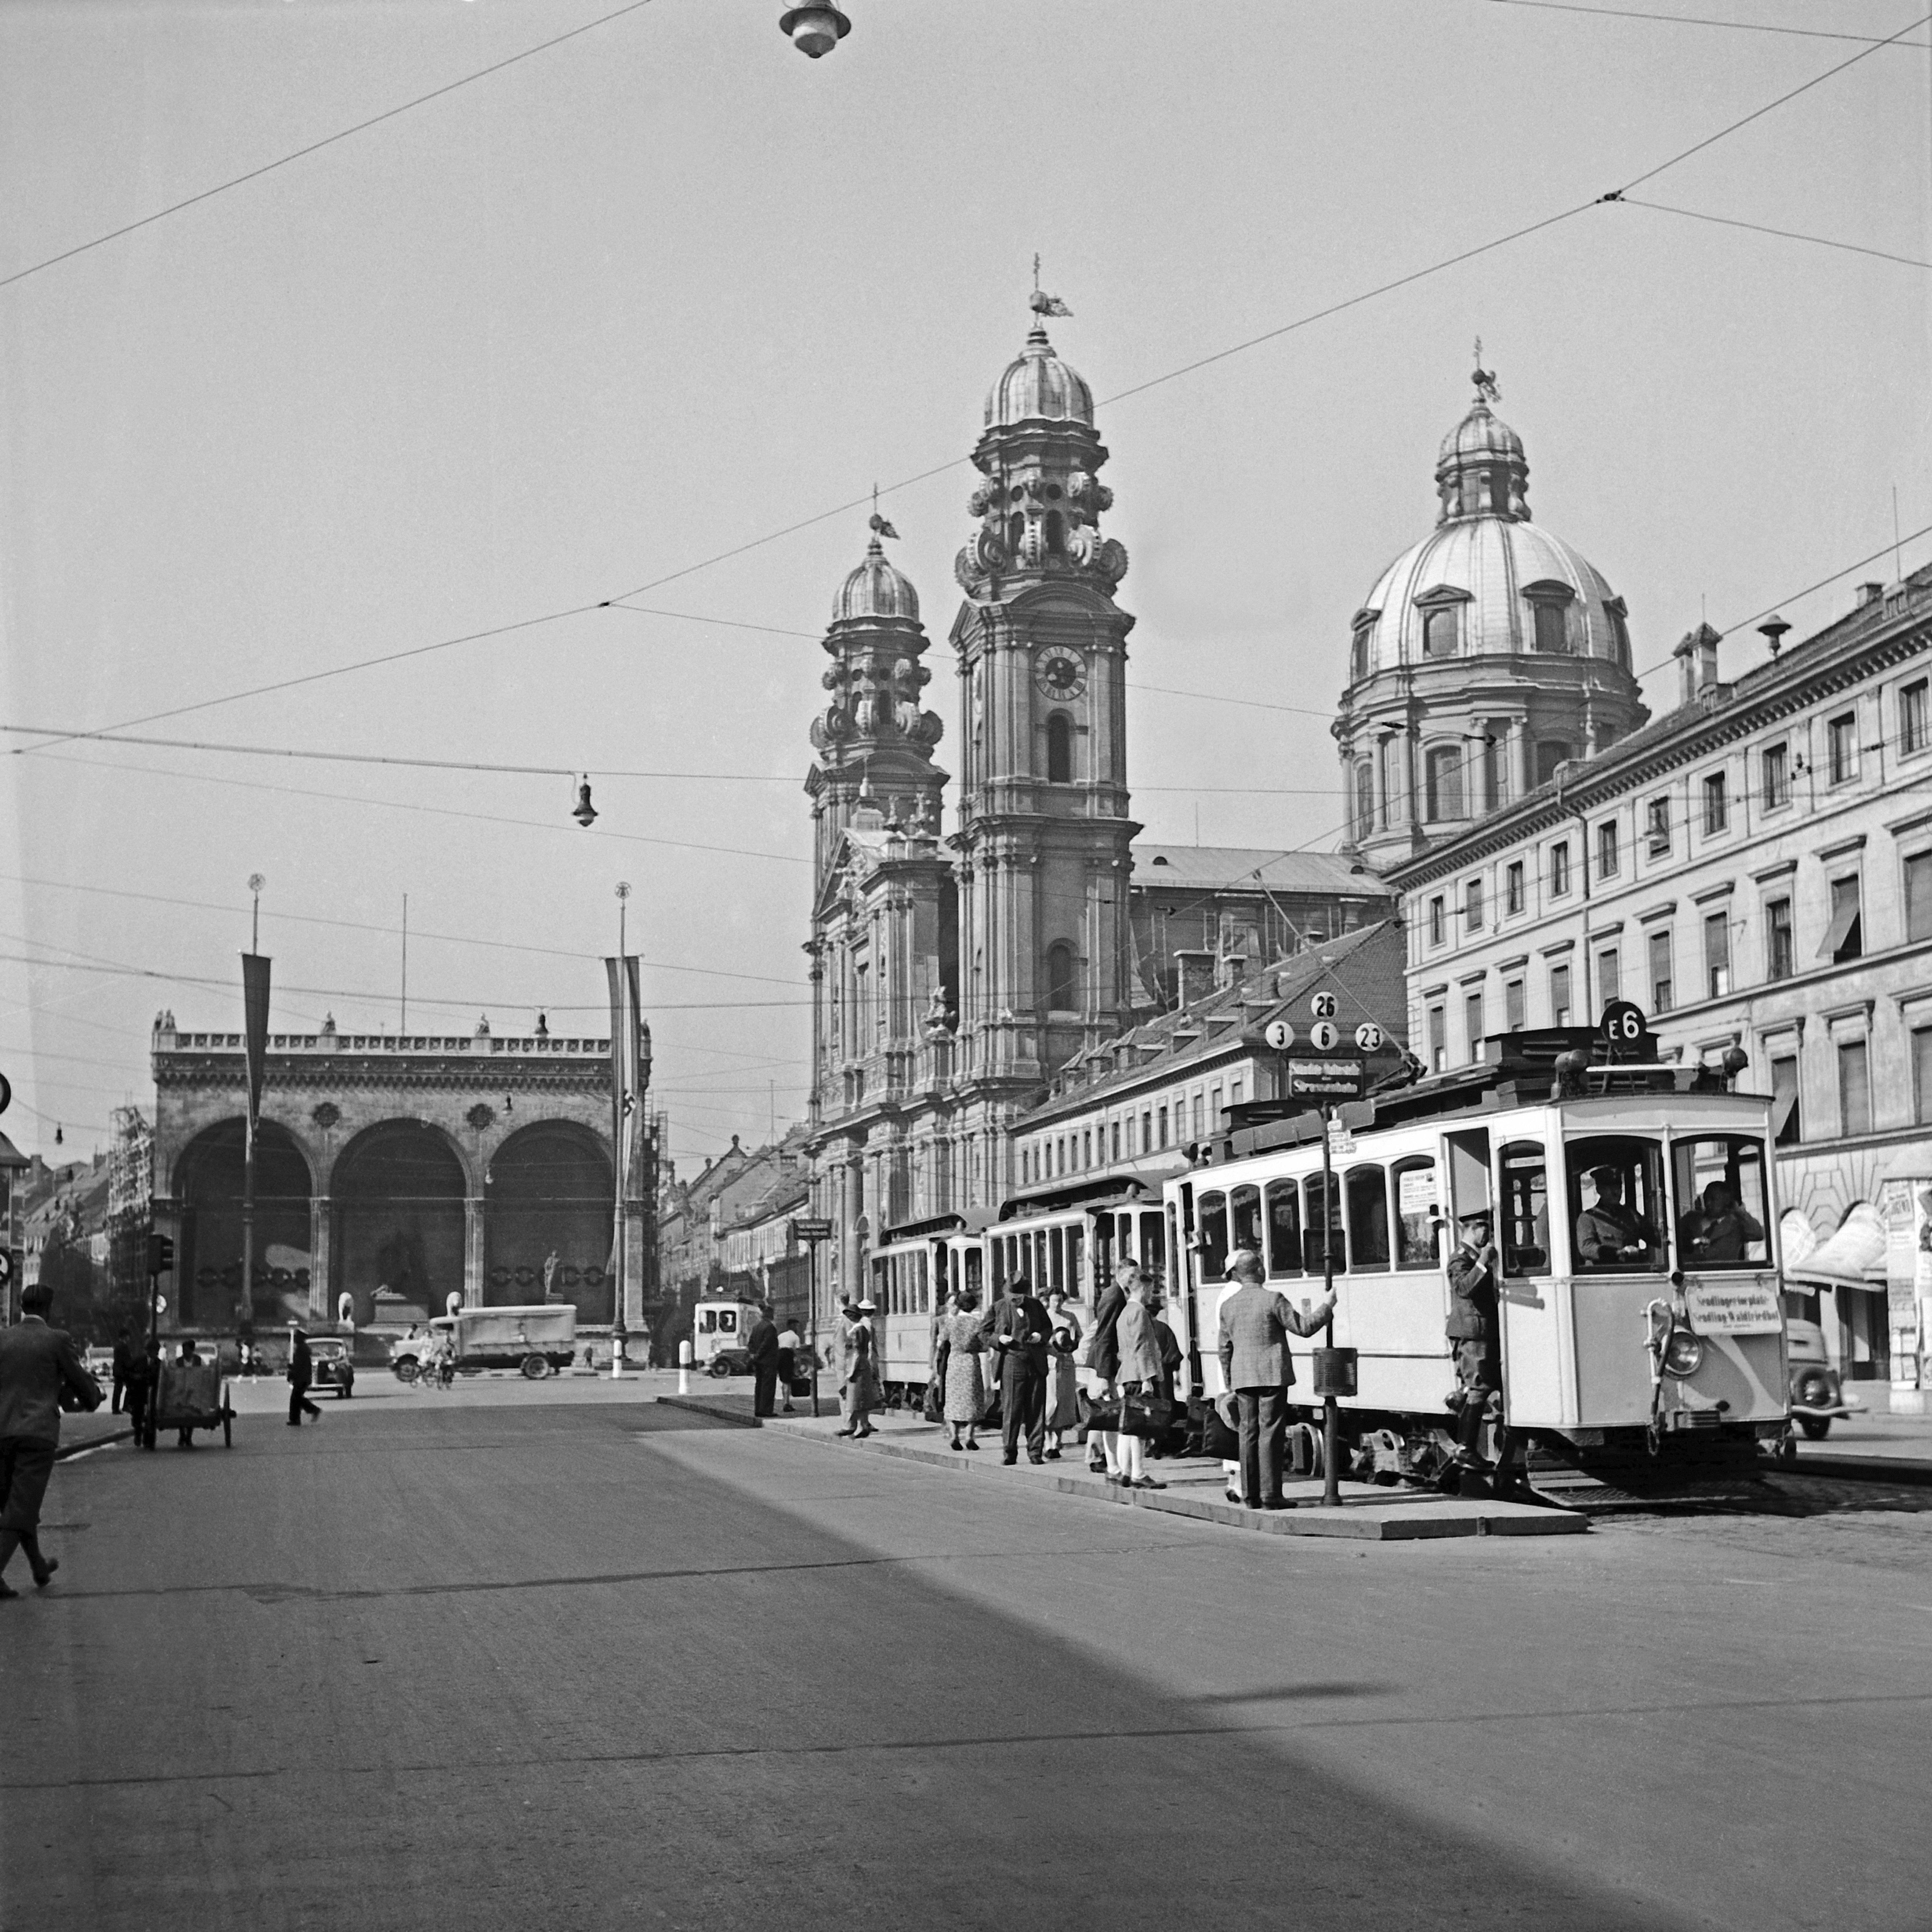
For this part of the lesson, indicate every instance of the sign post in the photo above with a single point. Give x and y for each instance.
(811, 1232)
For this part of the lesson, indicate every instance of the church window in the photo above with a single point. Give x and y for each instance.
(1059, 749)
(1439, 632)
(1358, 654)
(1553, 634)
(1620, 650)
(1056, 534)
(1015, 535)
(1365, 797)
(1499, 491)
(1062, 979)
(1444, 782)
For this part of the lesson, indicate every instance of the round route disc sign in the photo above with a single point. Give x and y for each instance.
(1622, 1024)
(1324, 1036)
(1322, 1006)
(1369, 1036)
(1278, 1034)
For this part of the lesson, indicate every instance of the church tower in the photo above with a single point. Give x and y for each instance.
(1486, 656)
(1043, 836)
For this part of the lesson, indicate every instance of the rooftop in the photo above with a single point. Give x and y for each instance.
(1231, 867)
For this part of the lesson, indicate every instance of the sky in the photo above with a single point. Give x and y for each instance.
(646, 317)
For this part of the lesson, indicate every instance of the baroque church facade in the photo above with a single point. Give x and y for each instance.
(961, 977)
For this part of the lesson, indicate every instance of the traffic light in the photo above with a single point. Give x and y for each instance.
(161, 1254)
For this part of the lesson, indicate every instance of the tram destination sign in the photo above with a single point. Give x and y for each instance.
(806, 1230)
(1324, 1079)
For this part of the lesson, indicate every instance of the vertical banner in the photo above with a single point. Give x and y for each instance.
(255, 1015)
(627, 1101)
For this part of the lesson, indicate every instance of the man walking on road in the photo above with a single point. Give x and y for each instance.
(1255, 1365)
(1020, 1330)
(301, 1373)
(123, 1370)
(37, 1364)
(762, 1346)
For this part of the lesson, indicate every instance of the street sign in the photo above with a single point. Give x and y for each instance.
(1369, 1037)
(1325, 1079)
(1324, 1036)
(1278, 1034)
(1322, 1006)
(811, 1231)
(1622, 1024)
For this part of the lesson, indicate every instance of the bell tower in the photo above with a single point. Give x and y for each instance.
(1043, 837)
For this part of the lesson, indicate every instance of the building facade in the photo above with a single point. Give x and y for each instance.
(1753, 869)
(394, 1171)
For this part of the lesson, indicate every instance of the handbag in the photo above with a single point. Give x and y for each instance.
(1145, 1415)
(933, 1407)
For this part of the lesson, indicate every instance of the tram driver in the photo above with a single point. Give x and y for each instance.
(1609, 1235)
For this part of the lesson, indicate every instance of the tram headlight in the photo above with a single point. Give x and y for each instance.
(1683, 1353)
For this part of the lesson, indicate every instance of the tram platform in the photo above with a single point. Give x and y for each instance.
(1195, 1485)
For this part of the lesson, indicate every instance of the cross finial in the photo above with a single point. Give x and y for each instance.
(880, 527)
(1488, 389)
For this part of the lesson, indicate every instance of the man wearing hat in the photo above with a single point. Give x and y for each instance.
(1257, 1370)
(1472, 1332)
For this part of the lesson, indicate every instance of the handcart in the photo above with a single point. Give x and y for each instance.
(193, 1395)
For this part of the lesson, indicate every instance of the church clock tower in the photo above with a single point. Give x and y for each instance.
(1043, 843)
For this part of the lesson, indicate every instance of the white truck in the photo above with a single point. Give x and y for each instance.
(539, 1340)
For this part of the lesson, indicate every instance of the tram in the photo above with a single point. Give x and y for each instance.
(914, 1268)
(1661, 1363)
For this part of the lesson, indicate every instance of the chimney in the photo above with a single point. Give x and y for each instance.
(1194, 975)
(1870, 593)
(1697, 663)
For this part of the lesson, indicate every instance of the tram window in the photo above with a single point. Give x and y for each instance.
(1368, 1218)
(1284, 1228)
(1523, 1179)
(1211, 1235)
(942, 1269)
(1074, 1244)
(975, 1272)
(1103, 1247)
(1417, 1211)
(1616, 1202)
(1174, 1251)
(1318, 1223)
(1040, 1261)
(1719, 1199)
(1153, 1247)
(1245, 1205)
(922, 1304)
(1056, 1261)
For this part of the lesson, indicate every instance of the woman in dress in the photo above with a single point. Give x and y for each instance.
(1063, 1383)
(1140, 1374)
(961, 1342)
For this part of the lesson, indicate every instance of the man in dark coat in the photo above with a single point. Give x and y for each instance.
(142, 1379)
(39, 1372)
(1020, 1331)
(301, 1373)
(762, 1345)
(124, 1366)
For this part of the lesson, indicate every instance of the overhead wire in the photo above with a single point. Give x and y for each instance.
(1783, 234)
(1697, 20)
(315, 147)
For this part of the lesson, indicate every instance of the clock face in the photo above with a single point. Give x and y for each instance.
(1060, 673)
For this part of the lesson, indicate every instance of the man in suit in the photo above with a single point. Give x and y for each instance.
(1020, 1332)
(1473, 1274)
(301, 1373)
(124, 1368)
(762, 1346)
(39, 1367)
(1255, 1365)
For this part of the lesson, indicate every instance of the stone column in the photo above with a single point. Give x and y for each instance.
(321, 1229)
(475, 1250)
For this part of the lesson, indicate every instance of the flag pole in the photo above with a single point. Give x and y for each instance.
(621, 1064)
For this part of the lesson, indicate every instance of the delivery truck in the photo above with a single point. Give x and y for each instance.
(539, 1340)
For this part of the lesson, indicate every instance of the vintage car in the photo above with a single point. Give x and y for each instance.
(333, 1369)
(1815, 1394)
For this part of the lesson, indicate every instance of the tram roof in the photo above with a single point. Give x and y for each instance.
(1516, 1070)
(920, 1231)
(1099, 1191)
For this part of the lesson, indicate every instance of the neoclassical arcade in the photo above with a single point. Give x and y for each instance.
(397, 1170)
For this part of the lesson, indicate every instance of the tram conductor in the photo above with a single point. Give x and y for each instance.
(1472, 1333)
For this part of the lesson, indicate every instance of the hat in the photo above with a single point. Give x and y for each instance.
(866, 1307)
(1474, 1214)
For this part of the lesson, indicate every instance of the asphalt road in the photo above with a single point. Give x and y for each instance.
(488, 1662)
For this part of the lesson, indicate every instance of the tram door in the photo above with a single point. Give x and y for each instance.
(1533, 1352)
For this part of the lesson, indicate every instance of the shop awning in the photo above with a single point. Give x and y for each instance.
(1853, 1256)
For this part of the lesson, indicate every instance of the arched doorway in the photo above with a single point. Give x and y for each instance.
(398, 1191)
(207, 1181)
(551, 1193)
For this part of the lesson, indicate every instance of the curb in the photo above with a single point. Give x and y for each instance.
(1367, 1522)
(67, 1449)
(1910, 1470)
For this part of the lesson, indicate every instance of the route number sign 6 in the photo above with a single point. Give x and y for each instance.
(1323, 1005)
(1324, 1036)
(1278, 1034)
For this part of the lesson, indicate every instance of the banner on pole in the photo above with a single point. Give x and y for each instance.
(627, 1098)
(255, 1021)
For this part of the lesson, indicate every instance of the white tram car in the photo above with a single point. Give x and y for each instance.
(1669, 1361)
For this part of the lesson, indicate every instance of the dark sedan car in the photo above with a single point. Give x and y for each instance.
(333, 1368)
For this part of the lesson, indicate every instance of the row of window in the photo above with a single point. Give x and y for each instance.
(1170, 1121)
(1551, 632)
(1457, 781)
(1714, 801)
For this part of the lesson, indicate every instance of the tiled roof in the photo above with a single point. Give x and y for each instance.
(1231, 866)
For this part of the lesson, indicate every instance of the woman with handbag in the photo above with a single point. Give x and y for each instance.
(1063, 1384)
(1141, 1405)
(962, 1341)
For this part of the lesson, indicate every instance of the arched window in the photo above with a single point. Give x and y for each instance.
(1063, 988)
(1015, 535)
(1056, 534)
(1439, 632)
(1499, 491)
(1358, 654)
(1365, 797)
(1059, 749)
(1553, 634)
(1444, 798)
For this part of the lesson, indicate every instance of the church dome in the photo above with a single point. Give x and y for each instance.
(877, 588)
(1037, 387)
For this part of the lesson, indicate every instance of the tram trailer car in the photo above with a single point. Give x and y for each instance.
(1661, 1366)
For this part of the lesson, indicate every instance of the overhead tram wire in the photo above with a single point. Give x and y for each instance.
(1783, 234)
(315, 147)
(1698, 20)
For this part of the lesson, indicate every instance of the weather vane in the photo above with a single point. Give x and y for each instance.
(881, 528)
(1042, 304)
(1487, 388)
